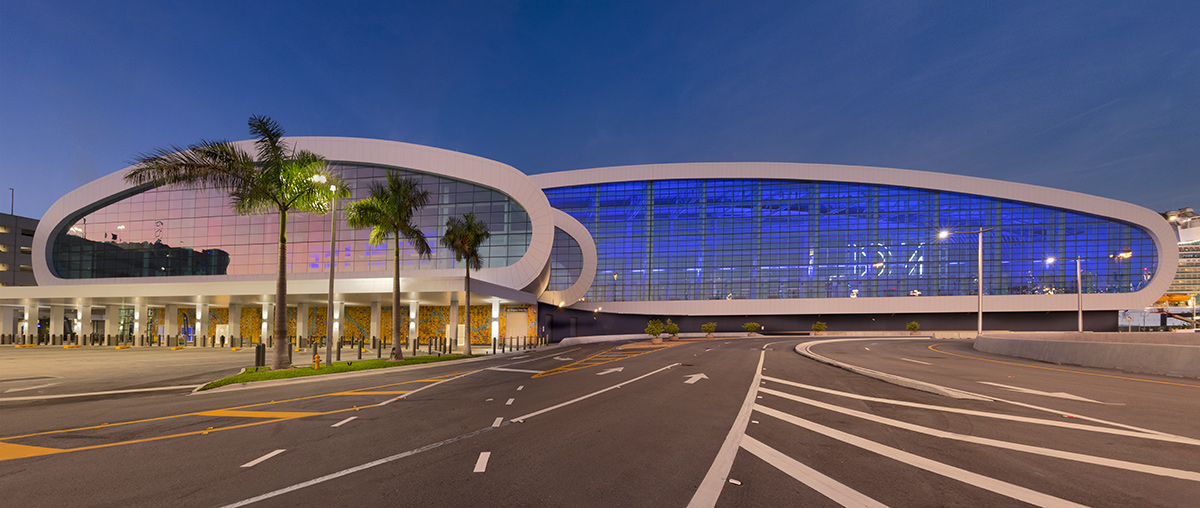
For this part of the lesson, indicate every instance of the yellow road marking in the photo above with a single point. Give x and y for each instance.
(600, 358)
(256, 414)
(934, 348)
(17, 451)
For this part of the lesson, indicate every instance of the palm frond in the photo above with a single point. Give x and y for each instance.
(271, 148)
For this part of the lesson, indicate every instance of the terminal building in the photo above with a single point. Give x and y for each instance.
(598, 251)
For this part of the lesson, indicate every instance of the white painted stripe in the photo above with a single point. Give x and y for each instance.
(509, 403)
(343, 422)
(710, 488)
(519, 388)
(1036, 450)
(110, 392)
(830, 488)
(499, 420)
(48, 385)
(481, 463)
(255, 462)
(355, 469)
(1000, 487)
(1143, 434)
(588, 396)
(916, 361)
(394, 399)
(523, 371)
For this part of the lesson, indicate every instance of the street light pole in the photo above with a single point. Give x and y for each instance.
(946, 234)
(332, 267)
(1078, 287)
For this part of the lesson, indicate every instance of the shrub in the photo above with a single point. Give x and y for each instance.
(654, 328)
(708, 327)
(751, 327)
(913, 326)
(671, 328)
(819, 326)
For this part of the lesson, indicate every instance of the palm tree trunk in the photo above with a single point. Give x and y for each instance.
(468, 309)
(280, 361)
(397, 351)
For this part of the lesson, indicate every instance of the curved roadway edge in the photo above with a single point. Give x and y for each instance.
(805, 349)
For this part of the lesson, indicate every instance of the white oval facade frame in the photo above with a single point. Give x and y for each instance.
(587, 275)
(1148, 220)
(468, 168)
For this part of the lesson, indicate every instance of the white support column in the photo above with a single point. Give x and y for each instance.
(302, 322)
(452, 333)
(171, 322)
(112, 320)
(267, 326)
(141, 324)
(83, 320)
(235, 322)
(202, 322)
(414, 310)
(56, 322)
(339, 319)
(376, 322)
(29, 325)
(495, 320)
(7, 323)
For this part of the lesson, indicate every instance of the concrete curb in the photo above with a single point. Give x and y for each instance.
(804, 349)
(1158, 359)
(359, 373)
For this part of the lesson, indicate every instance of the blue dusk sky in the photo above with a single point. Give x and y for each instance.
(1097, 97)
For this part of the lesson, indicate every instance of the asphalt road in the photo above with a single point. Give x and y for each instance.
(566, 428)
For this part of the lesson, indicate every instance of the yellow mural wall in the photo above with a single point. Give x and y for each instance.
(252, 324)
(216, 317)
(531, 320)
(357, 323)
(316, 322)
(431, 322)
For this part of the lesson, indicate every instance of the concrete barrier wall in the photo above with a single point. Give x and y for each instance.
(1176, 338)
(1162, 359)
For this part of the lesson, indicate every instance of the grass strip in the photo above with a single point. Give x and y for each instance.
(264, 373)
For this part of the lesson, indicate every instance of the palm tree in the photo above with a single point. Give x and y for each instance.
(463, 237)
(279, 179)
(389, 212)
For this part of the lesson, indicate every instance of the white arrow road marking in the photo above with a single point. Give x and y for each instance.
(481, 464)
(264, 457)
(10, 390)
(610, 371)
(916, 361)
(1061, 395)
(561, 359)
(343, 422)
(693, 378)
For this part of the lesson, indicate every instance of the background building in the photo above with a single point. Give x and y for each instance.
(601, 250)
(16, 250)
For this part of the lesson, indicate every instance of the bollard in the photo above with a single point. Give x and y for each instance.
(359, 347)
(260, 355)
(493, 345)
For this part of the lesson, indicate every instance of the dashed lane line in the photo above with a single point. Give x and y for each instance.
(481, 463)
(259, 460)
(343, 422)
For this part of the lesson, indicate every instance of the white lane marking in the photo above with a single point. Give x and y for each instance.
(255, 462)
(1035, 450)
(343, 422)
(693, 378)
(590, 395)
(519, 388)
(916, 361)
(481, 463)
(89, 394)
(1138, 433)
(610, 371)
(499, 420)
(355, 469)
(830, 488)
(522, 357)
(1000, 487)
(867, 348)
(394, 399)
(1060, 395)
(563, 359)
(547, 356)
(48, 385)
(509, 403)
(522, 371)
(710, 488)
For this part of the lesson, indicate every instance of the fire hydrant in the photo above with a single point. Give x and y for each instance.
(316, 362)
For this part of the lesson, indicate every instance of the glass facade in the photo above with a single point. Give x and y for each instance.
(566, 262)
(173, 232)
(764, 239)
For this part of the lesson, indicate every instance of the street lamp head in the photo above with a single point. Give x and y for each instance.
(1050, 259)
(317, 178)
(943, 234)
(332, 188)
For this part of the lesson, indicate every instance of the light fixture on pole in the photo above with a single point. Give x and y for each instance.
(320, 179)
(946, 234)
(1078, 285)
